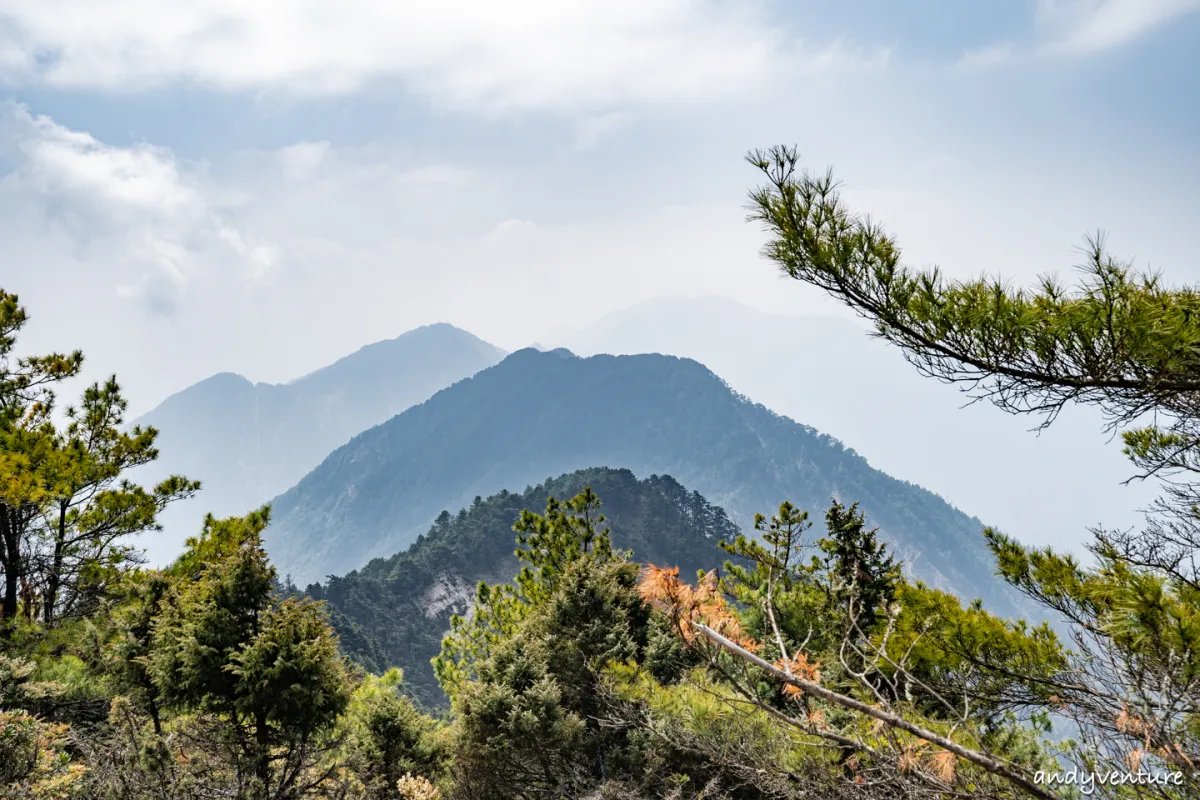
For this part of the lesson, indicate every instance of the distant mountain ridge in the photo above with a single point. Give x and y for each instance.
(247, 442)
(394, 611)
(830, 373)
(547, 413)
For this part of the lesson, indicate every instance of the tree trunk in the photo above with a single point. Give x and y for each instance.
(155, 717)
(10, 560)
(9, 609)
(984, 760)
(54, 578)
(262, 755)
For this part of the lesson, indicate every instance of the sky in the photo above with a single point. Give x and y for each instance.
(210, 185)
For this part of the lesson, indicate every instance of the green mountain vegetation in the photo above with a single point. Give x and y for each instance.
(247, 442)
(855, 387)
(394, 611)
(548, 413)
(811, 665)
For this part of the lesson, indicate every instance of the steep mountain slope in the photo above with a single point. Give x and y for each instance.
(247, 442)
(831, 374)
(394, 611)
(537, 414)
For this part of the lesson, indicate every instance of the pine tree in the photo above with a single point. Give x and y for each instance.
(93, 510)
(27, 395)
(386, 738)
(860, 573)
(529, 704)
(1123, 341)
(269, 669)
(548, 543)
(66, 507)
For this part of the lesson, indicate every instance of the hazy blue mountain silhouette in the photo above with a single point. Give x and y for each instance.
(830, 373)
(248, 441)
(538, 414)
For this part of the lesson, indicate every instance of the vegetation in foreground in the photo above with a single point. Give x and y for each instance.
(394, 611)
(807, 667)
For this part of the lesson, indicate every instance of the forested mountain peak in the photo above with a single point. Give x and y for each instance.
(536, 414)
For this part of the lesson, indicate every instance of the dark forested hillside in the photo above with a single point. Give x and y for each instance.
(394, 611)
(247, 441)
(865, 386)
(538, 414)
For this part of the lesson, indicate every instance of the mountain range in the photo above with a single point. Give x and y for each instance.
(829, 372)
(394, 611)
(539, 414)
(247, 442)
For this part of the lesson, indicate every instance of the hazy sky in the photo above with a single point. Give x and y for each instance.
(196, 186)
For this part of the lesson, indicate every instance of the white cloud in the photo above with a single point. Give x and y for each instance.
(496, 56)
(510, 230)
(591, 130)
(128, 182)
(136, 208)
(258, 258)
(299, 161)
(1087, 26)
(437, 174)
(1083, 27)
(988, 56)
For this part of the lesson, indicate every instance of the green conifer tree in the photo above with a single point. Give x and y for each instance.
(568, 531)
(27, 387)
(861, 575)
(268, 669)
(67, 508)
(1123, 341)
